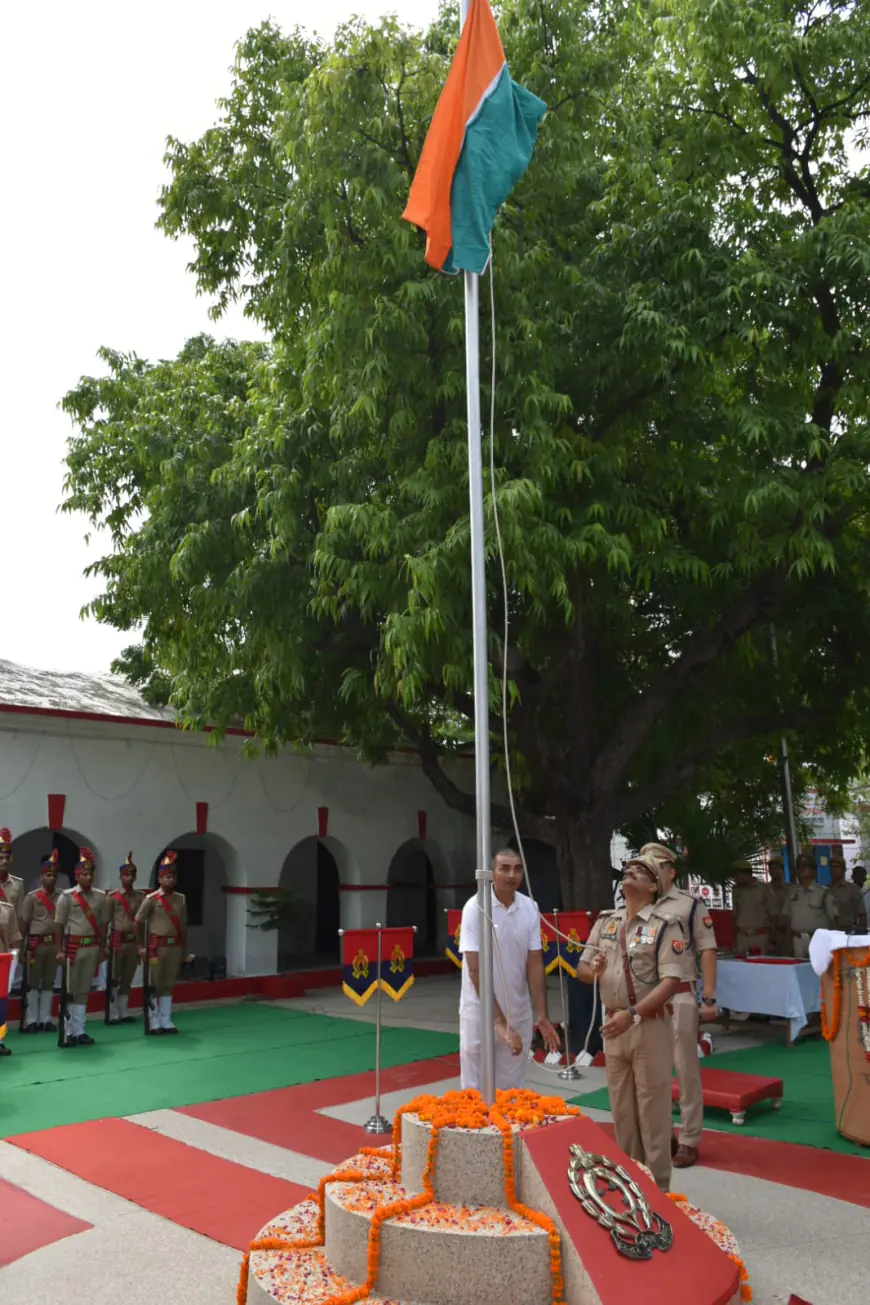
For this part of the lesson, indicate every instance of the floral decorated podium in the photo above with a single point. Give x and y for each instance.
(524, 1203)
(846, 1028)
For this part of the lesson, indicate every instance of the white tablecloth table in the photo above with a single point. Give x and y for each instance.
(791, 992)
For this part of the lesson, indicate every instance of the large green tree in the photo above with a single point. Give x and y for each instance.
(681, 446)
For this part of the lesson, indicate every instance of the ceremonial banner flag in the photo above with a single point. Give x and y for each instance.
(575, 926)
(359, 959)
(451, 951)
(479, 144)
(549, 950)
(5, 973)
(397, 961)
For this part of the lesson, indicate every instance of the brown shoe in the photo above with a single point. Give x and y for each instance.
(685, 1156)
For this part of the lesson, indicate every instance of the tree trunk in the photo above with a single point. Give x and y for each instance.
(583, 853)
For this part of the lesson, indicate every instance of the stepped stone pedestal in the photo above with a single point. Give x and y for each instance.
(467, 1247)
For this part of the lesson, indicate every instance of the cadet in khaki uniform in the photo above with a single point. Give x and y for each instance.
(778, 890)
(10, 937)
(37, 922)
(122, 905)
(164, 913)
(808, 907)
(637, 958)
(80, 938)
(752, 908)
(700, 942)
(11, 888)
(849, 899)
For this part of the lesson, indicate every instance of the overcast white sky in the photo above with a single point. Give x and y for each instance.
(88, 95)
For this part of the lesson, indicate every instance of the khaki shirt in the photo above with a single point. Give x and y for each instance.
(35, 918)
(71, 917)
(118, 917)
(677, 905)
(10, 934)
(811, 909)
(655, 948)
(778, 898)
(752, 908)
(152, 911)
(13, 890)
(849, 901)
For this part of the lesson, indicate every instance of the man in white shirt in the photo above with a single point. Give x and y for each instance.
(517, 967)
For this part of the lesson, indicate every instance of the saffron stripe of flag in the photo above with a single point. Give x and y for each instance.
(479, 144)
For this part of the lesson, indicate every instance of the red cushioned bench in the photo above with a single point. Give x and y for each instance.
(735, 1092)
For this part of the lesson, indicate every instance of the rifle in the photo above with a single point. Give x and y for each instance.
(64, 996)
(25, 983)
(110, 955)
(146, 984)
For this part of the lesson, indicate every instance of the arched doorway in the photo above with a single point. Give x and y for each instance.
(311, 919)
(411, 895)
(206, 864)
(29, 848)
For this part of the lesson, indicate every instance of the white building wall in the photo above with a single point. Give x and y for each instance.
(135, 787)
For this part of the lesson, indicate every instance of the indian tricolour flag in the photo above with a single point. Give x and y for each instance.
(479, 144)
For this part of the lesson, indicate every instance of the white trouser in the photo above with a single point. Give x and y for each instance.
(44, 1006)
(164, 1007)
(510, 1070)
(76, 1016)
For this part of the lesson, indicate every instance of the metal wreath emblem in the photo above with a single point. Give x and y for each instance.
(635, 1230)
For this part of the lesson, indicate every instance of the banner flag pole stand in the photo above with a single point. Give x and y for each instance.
(570, 1073)
(377, 1124)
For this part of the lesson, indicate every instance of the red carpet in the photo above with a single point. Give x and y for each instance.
(287, 1116)
(846, 1177)
(27, 1224)
(224, 1201)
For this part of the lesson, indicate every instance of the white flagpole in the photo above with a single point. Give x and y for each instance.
(483, 872)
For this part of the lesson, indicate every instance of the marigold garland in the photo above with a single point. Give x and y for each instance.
(830, 1028)
(465, 1109)
(745, 1289)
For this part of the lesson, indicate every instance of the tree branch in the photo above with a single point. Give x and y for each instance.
(452, 795)
(678, 773)
(700, 653)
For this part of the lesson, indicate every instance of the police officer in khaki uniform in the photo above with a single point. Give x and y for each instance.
(849, 899)
(778, 890)
(10, 937)
(637, 957)
(700, 943)
(808, 906)
(11, 888)
(164, 913)
(122, 905)
(80, 939)
(752, 907)
(37, 923)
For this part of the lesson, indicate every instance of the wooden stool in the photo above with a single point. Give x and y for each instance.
(725, 1090)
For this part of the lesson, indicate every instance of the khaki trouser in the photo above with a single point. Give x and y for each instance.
(759, 943)
(687, 1063)
(639, 1066)
(800, 945)
(42, 966)
(81, 975)
(125, 962)
(164, 969)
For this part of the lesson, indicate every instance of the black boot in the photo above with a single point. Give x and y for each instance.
(4, 1050)
(85, 1040)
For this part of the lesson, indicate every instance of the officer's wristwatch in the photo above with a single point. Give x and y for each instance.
(635, 1018)
(708, 1001)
